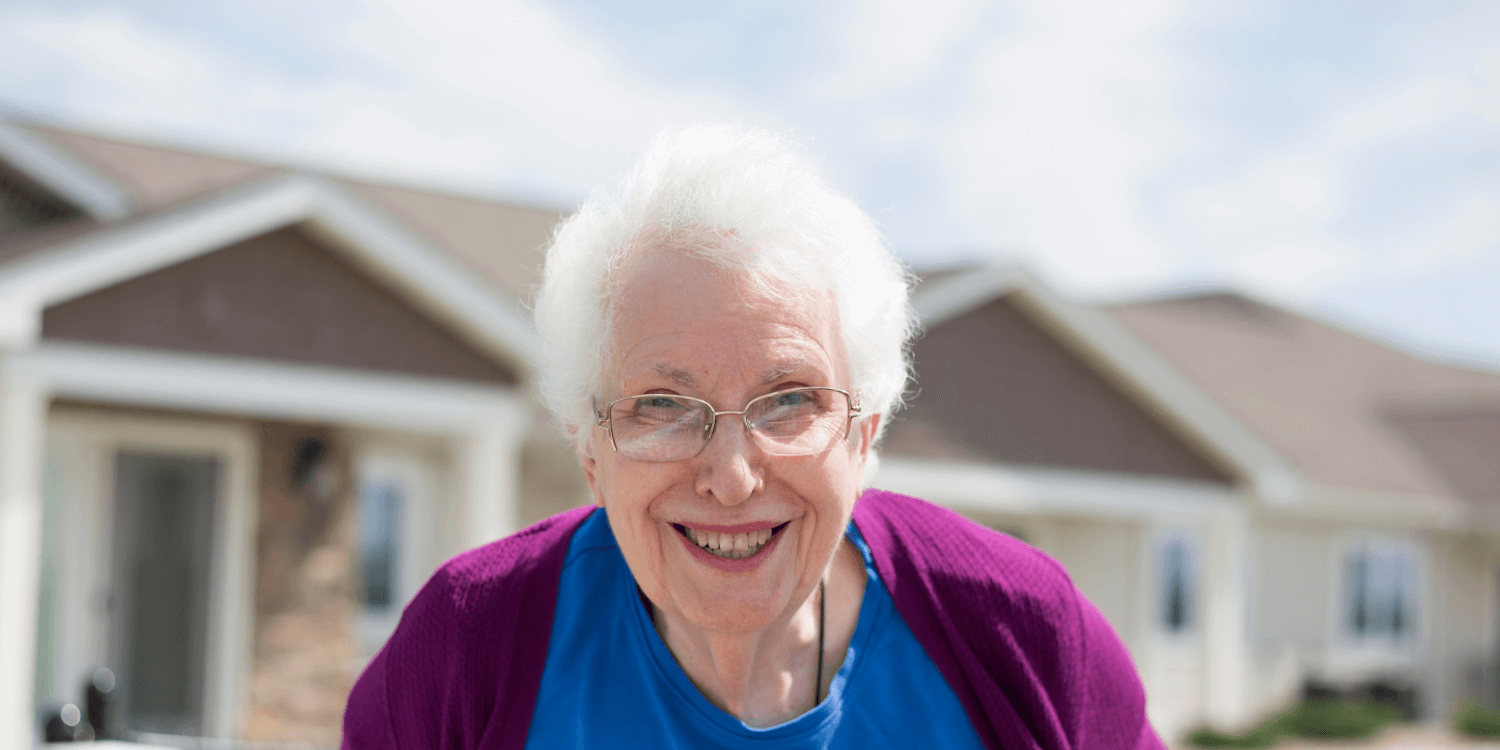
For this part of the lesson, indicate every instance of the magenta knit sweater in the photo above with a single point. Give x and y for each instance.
(1033, 662)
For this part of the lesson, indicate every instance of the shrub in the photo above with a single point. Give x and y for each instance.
(1310, 718)
(1341, 719)
(1479, 721)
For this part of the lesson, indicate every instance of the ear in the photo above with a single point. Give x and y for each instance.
(585, 449)
(867, 429)
(869, 460)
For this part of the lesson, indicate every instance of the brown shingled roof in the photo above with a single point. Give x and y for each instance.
(1347, 411)
(499, 241)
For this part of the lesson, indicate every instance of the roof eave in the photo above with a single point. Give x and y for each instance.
(63, 174)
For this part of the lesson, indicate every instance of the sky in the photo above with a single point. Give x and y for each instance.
(1338, 158)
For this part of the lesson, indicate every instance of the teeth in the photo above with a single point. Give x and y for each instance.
(729, 546)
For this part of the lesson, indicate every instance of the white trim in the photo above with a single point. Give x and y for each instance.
(231, 592)
(263, 389)
(1382, 509)
(1128, 362)
(23, 413)
(1028, 491)
(58, 171)
(436, 283)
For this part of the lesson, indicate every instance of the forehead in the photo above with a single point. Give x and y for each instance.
(683, 320)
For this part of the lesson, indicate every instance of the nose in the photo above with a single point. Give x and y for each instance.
(729, 467)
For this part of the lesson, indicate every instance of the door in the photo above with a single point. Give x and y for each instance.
(159, 597)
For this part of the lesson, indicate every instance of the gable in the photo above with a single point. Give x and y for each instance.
(24, 205)
(995, 386)
(279, 296)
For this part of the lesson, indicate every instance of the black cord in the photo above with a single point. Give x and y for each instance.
(822, 617)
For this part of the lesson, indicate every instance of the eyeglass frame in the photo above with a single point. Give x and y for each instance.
(602, 418)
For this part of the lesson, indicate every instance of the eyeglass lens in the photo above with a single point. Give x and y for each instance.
(664, 427)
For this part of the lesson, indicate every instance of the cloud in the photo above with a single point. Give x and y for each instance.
(1113, 142)
(1064, 116)
(466, 92)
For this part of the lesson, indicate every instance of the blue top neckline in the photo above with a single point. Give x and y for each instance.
(815, 719)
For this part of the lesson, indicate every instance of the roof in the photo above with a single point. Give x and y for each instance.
(1118, 357)
(1347, 411)
(470, 261)
(501, 242)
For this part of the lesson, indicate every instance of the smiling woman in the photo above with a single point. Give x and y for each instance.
(724, 340)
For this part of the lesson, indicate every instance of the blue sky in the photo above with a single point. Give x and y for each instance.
(1342, 158)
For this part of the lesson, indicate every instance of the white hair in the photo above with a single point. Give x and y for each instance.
(748, 202)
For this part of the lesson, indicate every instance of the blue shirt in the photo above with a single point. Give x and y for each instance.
(611, 682)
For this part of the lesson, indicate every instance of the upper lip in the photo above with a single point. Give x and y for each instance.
(739, 528)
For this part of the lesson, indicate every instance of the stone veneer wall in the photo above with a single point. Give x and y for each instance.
(306, 654)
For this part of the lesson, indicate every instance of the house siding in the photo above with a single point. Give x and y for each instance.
(280, 296)
(994, 386)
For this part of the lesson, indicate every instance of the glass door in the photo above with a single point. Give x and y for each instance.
(159, 598)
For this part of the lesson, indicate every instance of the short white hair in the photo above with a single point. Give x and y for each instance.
(749, 202)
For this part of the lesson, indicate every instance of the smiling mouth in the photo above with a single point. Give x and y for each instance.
(730, 546)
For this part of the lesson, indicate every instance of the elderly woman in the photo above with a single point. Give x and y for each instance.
(724, 340)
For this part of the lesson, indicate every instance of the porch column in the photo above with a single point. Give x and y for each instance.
(1224, 619)
(490, 474)
(23, 419)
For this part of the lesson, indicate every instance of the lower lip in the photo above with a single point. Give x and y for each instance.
(742, 565)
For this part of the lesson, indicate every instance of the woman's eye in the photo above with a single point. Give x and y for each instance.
(793, 398)
(658, 402)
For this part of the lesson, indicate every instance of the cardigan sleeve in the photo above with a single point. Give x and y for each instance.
(463, 668)
(1033, 662)
(412, 694)
(1113, 706)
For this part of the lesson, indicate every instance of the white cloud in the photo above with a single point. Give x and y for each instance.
(1469, 230)
(1066, 114)
(885, 45)
(1077, 130)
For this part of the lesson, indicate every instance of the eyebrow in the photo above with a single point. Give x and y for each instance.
(780, 372)
(674, 374)
(685, 378)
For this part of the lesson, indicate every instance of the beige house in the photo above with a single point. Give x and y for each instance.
(245, 409)
(1254, 499)
(244, 412)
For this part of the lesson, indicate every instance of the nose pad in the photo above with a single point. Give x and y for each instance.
(728, 469)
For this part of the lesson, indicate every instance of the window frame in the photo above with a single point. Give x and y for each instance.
(1378, 647)
(1190, 542)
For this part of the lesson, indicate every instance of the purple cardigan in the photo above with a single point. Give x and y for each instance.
(1033, 662)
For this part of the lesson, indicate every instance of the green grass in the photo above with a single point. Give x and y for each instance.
(1311, 718)
(1479, 721)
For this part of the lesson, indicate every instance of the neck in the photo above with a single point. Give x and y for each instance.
(768, 677)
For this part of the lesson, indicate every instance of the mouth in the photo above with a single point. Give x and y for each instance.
(731, 546)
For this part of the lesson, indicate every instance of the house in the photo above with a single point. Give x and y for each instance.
(244, 411)
(1256, 500)
(246, 408)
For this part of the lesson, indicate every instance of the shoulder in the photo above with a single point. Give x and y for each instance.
(1024, 651)
(468, 654)
(914, 537)
(474, 582)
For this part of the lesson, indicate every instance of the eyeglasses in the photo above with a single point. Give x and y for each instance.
(661, 427)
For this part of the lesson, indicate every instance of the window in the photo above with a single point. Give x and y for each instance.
(380, 508)
(393, 505)
(1380, 592)
(1178, 566)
